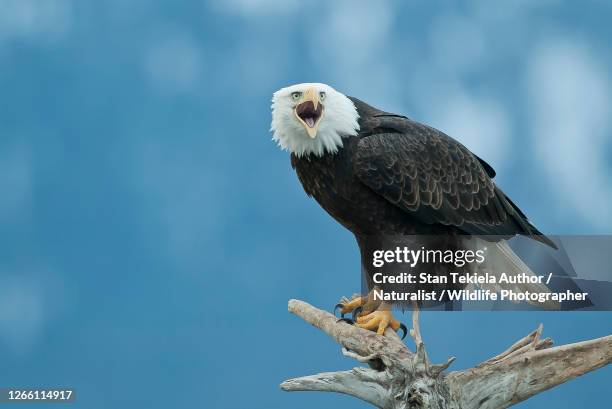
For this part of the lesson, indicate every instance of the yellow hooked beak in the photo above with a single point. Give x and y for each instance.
(310, 111)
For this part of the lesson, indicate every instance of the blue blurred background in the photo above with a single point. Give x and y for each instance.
(151, 233)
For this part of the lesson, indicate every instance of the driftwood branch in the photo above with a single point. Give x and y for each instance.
(401, 379)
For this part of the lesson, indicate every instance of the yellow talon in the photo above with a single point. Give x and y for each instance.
(367, 304)
(373, 315)
(378, 321)
(347, 306)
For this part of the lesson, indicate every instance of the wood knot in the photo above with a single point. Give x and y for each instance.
(415, 398)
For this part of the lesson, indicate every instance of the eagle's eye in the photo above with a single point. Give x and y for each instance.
(322, 95)
(296, 95)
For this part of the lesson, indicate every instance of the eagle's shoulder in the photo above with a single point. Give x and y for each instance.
(434, 177)
(373, 121)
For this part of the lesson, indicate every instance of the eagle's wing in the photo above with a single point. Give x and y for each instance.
(436, 179)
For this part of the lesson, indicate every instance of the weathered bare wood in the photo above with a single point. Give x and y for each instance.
(363, 383)
(504, 383)
(355, 339)
(402, 379)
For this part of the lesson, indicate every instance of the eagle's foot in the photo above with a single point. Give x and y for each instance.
(358, 305)
(380, 320)
(345, 305)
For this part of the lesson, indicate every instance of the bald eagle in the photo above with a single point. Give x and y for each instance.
(383, 176)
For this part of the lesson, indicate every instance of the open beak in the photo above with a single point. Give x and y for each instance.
(309, 112)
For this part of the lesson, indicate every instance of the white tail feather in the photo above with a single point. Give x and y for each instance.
(501, 259)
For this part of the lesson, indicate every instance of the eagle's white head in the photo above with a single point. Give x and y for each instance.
(312, 118)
